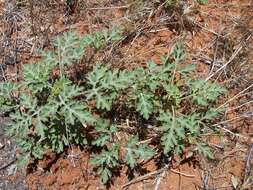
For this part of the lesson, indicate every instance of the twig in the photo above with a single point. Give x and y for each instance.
(2, 72)
(236, 96)
(158, 30)
(72, 156)
(109, 8)
(215, 56)
(206, 180)
(15, 47)
(248, 165)
(226, 64)
(204, 28)
(144, 177)
(31, 9)
(235, 118)
(8, 164)
(158, 181)
(181, 173)
(230, 60)
(230, 132)
(237, 107)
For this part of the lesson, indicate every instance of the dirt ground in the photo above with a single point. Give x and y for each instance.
(218, 39)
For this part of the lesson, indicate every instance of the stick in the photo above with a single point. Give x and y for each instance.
(181, 173)
(234, 97)
(141, 178)
(248, 165)
(109, 8)
(158, 181)
(230, 132)
(230, 60)
(8, 164)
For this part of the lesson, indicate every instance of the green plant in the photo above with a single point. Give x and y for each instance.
(54, 113)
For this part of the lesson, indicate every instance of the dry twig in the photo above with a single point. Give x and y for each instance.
(181, 173)
(144, 177)
(109, 8)
(248, 165)
(237, 51)
(7, 164)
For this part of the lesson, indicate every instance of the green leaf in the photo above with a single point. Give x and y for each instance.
(115, 34)
(25, 144)
(205, 150)
(69, 48)
(203, 92)
(212, 113)
(144, 104)
(101, 140)
(177, 52)
(106, 84)
(187, 68)
(105, 161)
(190, 122)
(38, 152)
(6, 89)
(36, 76)
(105, 130)
(135, 152)
(172, 131)
(173, 92)
(40, 129)
(108, 158)
(23, 159)
(103, 102)
(105, 174)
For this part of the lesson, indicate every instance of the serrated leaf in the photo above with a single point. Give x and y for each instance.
(115, 34)
(108, 157)
(69, 48)
(106, 84)
(36, 76)
(190, 122)
(23, 160)
(187, 68)
(40, 128)
(105, 174)
(144, 104)
(212, 113)
(172, 131)
(205, 150)
(135, 151)
(38, 152)
(101, 140)
(173, 92)
(203, 91)
(177, 52)
(103, 102)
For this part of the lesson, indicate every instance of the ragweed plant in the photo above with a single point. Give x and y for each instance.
(54, 113)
